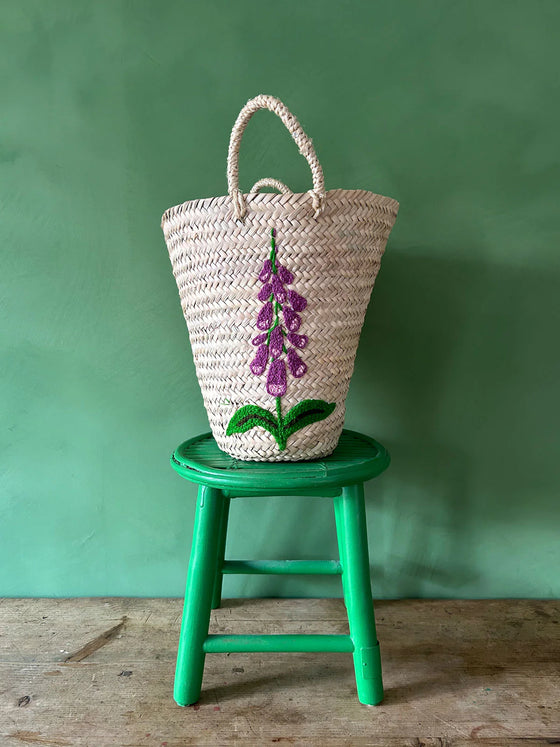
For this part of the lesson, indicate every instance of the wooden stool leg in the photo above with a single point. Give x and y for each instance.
(357, 592)
(339, 522)
(198, 595)
(217, 595)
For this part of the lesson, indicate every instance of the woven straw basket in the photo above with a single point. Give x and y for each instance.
(274, 290)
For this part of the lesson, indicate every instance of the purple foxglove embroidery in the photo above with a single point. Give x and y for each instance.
(260, 360)
(276, 382)
(298, 302)
(265, 292)
(260, 339)
(264, 319)
(285, 275)
(278, 289)
(298, 341)
(266, 271)
(276, 343)
(273, 354)
(295, 364)
(292, 319)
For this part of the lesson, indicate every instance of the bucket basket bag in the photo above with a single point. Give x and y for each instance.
(274, 288)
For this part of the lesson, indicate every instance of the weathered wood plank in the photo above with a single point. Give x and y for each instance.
(456, 673)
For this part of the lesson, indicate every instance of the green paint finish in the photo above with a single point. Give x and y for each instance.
(222, 538)
(200, 594)
(113, 111)
(371, 667)
(218, 644)
(352, 532)
(284, 567)
(356, 457)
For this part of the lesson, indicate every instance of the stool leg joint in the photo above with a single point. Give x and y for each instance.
(371, 662)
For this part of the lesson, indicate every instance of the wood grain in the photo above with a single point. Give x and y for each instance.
(456, 673)
(96, 643)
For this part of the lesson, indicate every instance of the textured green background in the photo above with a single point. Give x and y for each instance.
(114, 111)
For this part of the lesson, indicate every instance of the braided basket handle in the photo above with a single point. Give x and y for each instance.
(272, 183)
(303, 143)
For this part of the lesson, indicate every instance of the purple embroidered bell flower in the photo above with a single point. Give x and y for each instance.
(292, 319)
(278, 289)
(265, 292)
(266, 271)
(298, 341)
(295, 364)
(276, 380)
(276, 342)
(298, 302)
(264, 319)
(284, 274)
(260, 339)
(260, 360)
(278, 322)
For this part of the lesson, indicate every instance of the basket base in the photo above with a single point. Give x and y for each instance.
(241, 452)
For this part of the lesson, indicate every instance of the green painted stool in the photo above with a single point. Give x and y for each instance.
(356, 459)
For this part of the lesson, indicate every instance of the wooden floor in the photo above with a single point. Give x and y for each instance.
(99, 672)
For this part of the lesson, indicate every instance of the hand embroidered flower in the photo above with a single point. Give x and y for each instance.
(276, 383)
(264, 319)
(273, 352)
(260, 360)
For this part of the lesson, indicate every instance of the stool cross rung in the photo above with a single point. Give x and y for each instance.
(279, 567)
(219, 644)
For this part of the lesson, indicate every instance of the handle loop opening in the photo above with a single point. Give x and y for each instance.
(303, 142)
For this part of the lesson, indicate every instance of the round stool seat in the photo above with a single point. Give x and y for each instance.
(357, 458)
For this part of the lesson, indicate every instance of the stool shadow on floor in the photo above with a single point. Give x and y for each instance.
(433, 651)
(467, 652)
(324, 673)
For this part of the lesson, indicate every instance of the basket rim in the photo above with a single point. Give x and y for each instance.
(273, 197)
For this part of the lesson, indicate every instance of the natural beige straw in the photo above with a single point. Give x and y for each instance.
(331, 242)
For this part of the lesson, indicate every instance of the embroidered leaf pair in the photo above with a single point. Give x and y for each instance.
(281, 427)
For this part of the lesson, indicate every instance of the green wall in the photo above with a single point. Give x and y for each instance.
(113, 111)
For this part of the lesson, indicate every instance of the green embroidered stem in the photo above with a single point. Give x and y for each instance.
(271, 299)
(281, 439)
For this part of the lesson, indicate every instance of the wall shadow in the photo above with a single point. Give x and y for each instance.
(457, 374)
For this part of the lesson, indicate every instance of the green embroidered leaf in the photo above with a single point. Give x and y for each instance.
(251, 416)
(304, 413)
